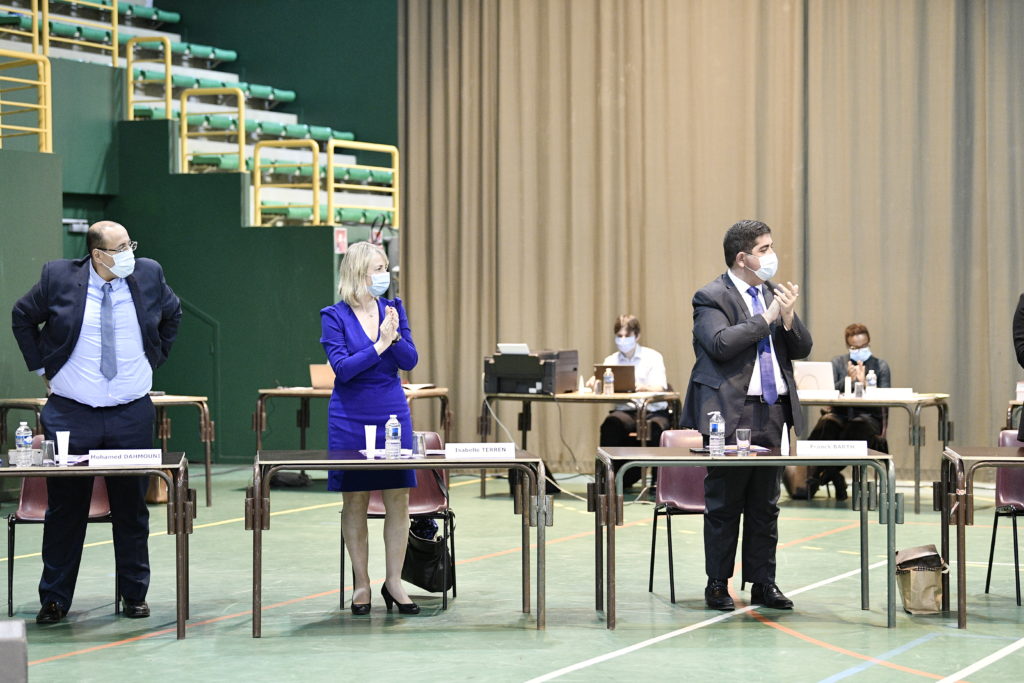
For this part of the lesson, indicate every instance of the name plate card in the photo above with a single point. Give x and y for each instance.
(813, 448)
(128, 457)
(483, 451)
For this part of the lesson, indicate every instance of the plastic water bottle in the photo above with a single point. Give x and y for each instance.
(608, 381)
(716, 443)
(393, 438)
(872, 379)
(23, 437)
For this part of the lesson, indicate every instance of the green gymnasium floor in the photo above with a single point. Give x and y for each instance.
(483, 636)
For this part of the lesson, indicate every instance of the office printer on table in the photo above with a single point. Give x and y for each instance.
(540, 372)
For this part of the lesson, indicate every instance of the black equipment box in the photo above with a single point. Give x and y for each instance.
(541, 372)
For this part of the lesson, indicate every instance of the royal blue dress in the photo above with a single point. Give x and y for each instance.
(367, 390)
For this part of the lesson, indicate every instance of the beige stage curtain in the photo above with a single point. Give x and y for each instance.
(567, 161)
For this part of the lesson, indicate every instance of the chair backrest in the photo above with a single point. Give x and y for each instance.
(32, 501)
(427, 497)
(679, 486)
(1010, 480)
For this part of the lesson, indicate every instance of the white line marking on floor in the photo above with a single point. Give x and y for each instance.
(682, 631)
(982, 663)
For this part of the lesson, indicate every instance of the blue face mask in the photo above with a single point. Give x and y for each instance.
(379, 283)
(860, 355)
(625, 344)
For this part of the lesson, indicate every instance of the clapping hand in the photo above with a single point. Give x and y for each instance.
(786, 296)
(389, 326)
(856, 372)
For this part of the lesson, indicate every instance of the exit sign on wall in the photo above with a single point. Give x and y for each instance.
(340, 240)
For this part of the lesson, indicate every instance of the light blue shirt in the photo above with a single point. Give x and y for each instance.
(650, 371)
(80, 378)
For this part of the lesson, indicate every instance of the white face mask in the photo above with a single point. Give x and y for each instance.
(379, 283)
(625, 344)
(124, 263)
(769, 265)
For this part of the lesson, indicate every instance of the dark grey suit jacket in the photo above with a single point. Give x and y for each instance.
(1018, 346)
(725, 338)
(48, 319)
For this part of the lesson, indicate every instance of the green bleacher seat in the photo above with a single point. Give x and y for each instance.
(284, 95)
(290, 212)
(144, 111)
(167, 17)
(95, 35)
(252, 126)
(381, 177)
(358, 175)
(262, 92)
(210, 83)
(182, 81)
(179, 48)
(224, 55)
(197, 120)
(200, 51)
(342, 135)
(349, 215)
(224, 162)
(143, 12)
(221, 121)
(271, 128)
(371, 216)
(320, 132)
(63, 30)
(298, 131)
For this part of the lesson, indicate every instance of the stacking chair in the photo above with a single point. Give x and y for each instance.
(680, 492)
(429, 499)
(32, 505)
(1009, 503)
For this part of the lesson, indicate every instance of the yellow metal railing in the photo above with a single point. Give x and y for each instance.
(132, 62)
(42, 105)
(33, 33)
(110, 25)
(334, 185)
(187, 134)
(313, 185)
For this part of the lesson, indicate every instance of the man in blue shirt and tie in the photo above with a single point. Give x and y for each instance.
(745, 335)
(95, 328)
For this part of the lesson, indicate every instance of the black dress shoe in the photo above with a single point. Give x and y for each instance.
(769, 595)
(135, 609)
(403, 607)
(716, 595)
(51, 613)
(360, 609)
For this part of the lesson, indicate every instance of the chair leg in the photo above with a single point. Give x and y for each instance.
(671, 559)
(445, 565)
(654, 546)
(10, 565)
(451, 516)
(341, 572)
(991, 551)
(1016, 559)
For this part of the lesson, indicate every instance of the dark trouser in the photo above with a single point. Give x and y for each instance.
(618, 430)
(124, 426)
(752, 492)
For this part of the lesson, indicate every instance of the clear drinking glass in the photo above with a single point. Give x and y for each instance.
(742, 442)
(419, 445)
(49, 453)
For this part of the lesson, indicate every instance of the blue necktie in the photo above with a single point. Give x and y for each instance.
(108, 346)
(764, 352)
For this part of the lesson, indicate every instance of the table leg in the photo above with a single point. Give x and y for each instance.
(944, 512)
(259, 421)
(890, 499)
(611, 520)
(257, 552)
(599, 491)
(303, 420)
(523, 492)
(206, 436)
(915, 427)
(542, 522)
(961, 554)
(860, 475)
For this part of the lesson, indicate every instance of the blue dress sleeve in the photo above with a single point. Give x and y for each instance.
(347, 362)
(404, 349)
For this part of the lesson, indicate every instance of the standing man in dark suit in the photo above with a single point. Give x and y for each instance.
(745, 335)
(95, 328)
(1018, 346)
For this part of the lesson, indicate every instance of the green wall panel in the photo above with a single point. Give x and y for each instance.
(341, 57)
(251, 296)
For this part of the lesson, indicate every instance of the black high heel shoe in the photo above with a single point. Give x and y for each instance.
(403, 608)
(360, 609)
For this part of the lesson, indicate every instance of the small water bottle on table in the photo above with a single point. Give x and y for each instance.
(716, 442)
(393, 438)
(871, 379)
(608, 382)
(23, 444)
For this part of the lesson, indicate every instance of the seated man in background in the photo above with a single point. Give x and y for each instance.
(854, 424)
(619, 428)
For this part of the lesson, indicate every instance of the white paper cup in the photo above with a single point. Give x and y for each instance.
(62, 448)
(371, 439)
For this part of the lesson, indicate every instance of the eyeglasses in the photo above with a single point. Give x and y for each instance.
(131, 246)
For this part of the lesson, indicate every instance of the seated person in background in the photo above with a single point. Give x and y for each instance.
(854, 424)
(619, 428)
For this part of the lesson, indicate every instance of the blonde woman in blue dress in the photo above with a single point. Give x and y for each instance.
(367, 341)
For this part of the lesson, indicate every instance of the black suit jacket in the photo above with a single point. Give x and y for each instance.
(1018, 346)
(48, 319)
(725, 338)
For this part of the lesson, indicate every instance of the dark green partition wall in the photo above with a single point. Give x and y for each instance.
(251, 296)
